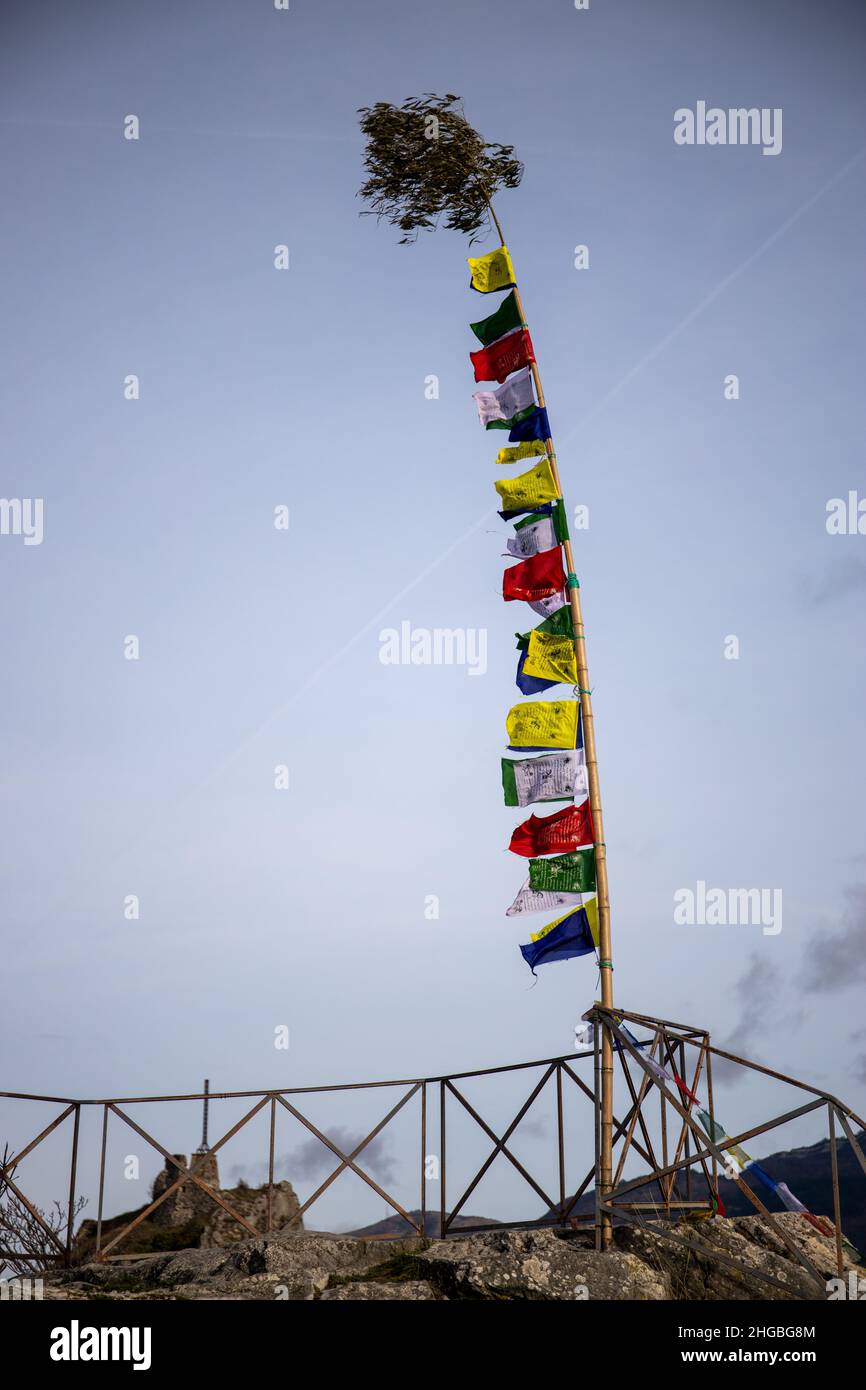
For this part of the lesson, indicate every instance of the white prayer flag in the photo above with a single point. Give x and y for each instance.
(584, 1035)
(788, 1199)
(529, 901)
(514, 395)
(552, 777)
(532, 538)
(549, 605)
(660, 1073)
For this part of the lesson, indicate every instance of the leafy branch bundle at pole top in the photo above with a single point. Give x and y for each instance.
(426, 163)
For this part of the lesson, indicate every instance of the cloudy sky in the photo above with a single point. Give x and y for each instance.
(304, 909)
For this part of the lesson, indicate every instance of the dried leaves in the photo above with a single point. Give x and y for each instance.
(425, 163)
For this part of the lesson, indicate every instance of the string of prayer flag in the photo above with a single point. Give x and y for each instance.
(563, 839)
(720, 1137)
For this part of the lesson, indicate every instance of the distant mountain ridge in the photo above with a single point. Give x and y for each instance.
(396, 1226)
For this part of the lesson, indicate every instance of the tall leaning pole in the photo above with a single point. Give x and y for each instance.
(426, 163)
(605, 944)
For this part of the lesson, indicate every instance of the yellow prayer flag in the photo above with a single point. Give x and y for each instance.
(528, 489)
(591, 910)
(530, 449)
(551, 657)
(739, 1154)
(492, 272)
(543, 724)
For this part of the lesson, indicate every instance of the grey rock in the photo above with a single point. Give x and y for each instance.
(411, 1289)
(750, 1243)
(530, 1265)
(533, 1265)
(288, 1267)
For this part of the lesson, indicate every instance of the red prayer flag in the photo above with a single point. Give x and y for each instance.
(506, 355)
(685, 1090)
(535, 578)
(824, 1227)
(568, 829)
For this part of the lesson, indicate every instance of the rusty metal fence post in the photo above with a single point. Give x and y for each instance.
(442, 1220)
(424, 1157)
(273, 1126)
(73, 1173)
(101, 1178)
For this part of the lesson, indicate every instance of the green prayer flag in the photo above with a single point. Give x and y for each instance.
(559, 623)
(560, 521)
(716, 1132)
(509, 782)
(507, 316)
(564, 873)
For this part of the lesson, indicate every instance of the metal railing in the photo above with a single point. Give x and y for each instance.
(657, 1125)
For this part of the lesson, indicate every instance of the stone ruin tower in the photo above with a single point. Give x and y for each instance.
(189, 1203)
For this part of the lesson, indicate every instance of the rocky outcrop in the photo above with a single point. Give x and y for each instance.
(723, 1259)
(533, 1265)
(733, 1256)
(272, 1267)
(414, 1290)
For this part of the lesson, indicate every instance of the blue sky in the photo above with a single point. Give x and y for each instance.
(305, 387)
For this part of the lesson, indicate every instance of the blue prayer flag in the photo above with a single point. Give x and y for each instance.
(571, 936)
(534, 426)
(542, 509)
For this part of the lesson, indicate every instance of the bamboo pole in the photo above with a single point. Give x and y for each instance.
(604, 931)
(837, 1212)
